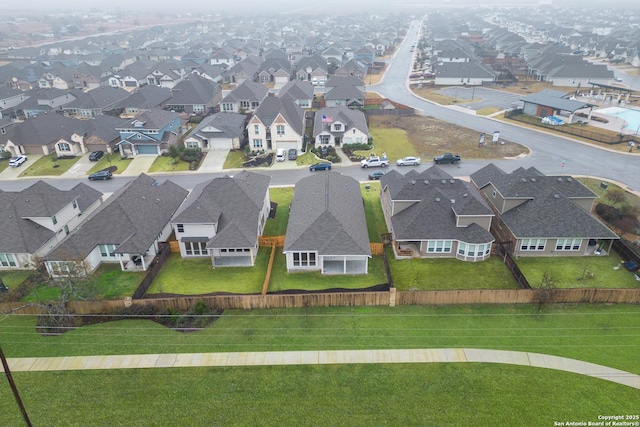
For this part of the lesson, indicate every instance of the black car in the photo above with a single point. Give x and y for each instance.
(96, 155)
(376, 175)
(321, 166)
(103, 174)
(293, 154)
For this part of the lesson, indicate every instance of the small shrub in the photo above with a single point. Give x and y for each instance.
(200, 308)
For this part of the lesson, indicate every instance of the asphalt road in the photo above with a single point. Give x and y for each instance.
(548, 152)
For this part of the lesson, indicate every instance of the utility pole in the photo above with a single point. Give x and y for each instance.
(7, 372)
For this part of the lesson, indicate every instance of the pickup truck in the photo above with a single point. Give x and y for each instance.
(374, 161)
(447, 158)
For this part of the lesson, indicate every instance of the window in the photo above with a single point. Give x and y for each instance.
(337, 127)
(54, 220)
(7, 260)
(325, 139)
(257, 143)
(107, 251)
(568, 244)
(74, 204)
(304, 259)
(195, 248)
(495, 193)
(256, 129)
(439, 246)
(533, 244)
(198, 108)
(227, 106)
(66, 229)
(462, 248)
(63, 146)
(192, 144)
(180, 228)
(280, 130)
(244, 104)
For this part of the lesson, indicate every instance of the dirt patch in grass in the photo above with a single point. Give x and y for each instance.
(430, 137)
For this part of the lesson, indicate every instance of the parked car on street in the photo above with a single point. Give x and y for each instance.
(408, 161)
(320, 166)
(96, 155)
(14, 162)
(103, 174)
(376, 175)
(447, 158)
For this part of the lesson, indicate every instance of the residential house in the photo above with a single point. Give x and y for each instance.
(45, 133)
(98, 134)
(337, 81)
(340, 125)
(222, 219)
(245, 97)
(244, 70)
(542, 215)
(167, 74)
(301, 92)
(327, 229)
(462, 74)
(312, 69)
(354, 68)
(210, 72)
(34, 220)
(432, 215)
(276, 123)
(10, 97)
(95, 102)
(218, 131)
(194, 95)
(131, 77)
(346, 94)
(150, 132)
(127, 229)
(365, 55)
(275, 68)
(143, 98)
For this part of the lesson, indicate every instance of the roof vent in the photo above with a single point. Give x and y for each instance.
(569, 179)
(556, 196)
(453, 200)
(533, 180)
(523, 179)
(437, 199)
(452, 181)
(426, 182)
(413, 181)
(444, 181)
(559, 179)
(465, 195)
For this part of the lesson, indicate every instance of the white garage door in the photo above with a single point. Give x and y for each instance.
(220, 143)
(286, 145)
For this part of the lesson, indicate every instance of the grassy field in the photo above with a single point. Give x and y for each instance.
(196, 276)
(376, 224)
(111, 160)
(282, 196)
(234, 159)
(48, 166)
(392, 141)
(167, 164)
(448, 274)
(578, 272)
(415, 394)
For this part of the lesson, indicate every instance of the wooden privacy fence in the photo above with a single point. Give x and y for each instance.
(271, 240)
(348, 299)
(376, 248)
(174, 245)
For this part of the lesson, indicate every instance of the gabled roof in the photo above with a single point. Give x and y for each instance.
(132, 218)
(345, 91)
(21, 235)
(327, 216)
(154, 118)
(42, 129)
(194, 90)
(101, 97)
(344, 81)
(297, 89)
(351, 119)
(220, 125)
(233, 203)
(438, 200)
(272, 107)
(247, 91)
(147, 96)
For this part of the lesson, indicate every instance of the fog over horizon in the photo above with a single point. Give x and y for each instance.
(289, 6)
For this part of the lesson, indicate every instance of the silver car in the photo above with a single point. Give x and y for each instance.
(408, 161)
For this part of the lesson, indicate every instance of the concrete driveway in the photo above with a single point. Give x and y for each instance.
(80, 168)
(12, 173)
(214, 160)
(139, 164)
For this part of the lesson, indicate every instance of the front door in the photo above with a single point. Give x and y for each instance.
(337, 141)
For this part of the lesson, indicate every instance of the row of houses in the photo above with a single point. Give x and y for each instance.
(429, 214)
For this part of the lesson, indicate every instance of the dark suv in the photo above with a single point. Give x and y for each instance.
(96, 155)
(103, 174)
(293, 154)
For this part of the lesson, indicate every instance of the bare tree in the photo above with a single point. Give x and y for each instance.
(545, 290)
(615, 196)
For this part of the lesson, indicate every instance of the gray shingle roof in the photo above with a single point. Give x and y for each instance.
(247, 91)
(132, 218)
(21, 235)
(226, 125)
(350, 118)
(439, 199)
(194, 90)
(273, 106)
(555, 99)
(327, 216)
(234, 203)
(43, 129)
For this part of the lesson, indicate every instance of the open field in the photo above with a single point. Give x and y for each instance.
(414, 394)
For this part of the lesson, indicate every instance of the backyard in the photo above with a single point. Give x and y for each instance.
(383, 394)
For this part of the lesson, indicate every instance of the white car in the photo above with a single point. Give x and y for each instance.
(408, 161)
(14, 162)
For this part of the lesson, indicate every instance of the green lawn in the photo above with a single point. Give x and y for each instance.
(373, 211)
(107, 282)
(307, 159)
(4, 163)
(196, 276)
(408, 394)
(48, 166)
(314, 281)
(13, 278)
(394, 142)
(111, 160)
(578, 272)
(448, 274)
(234, 159)
(282, 196)
(167, 164)
(331, 395)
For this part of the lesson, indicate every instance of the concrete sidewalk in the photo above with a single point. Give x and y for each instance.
(322, 357)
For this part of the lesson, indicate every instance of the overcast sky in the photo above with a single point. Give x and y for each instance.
(279, 6)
